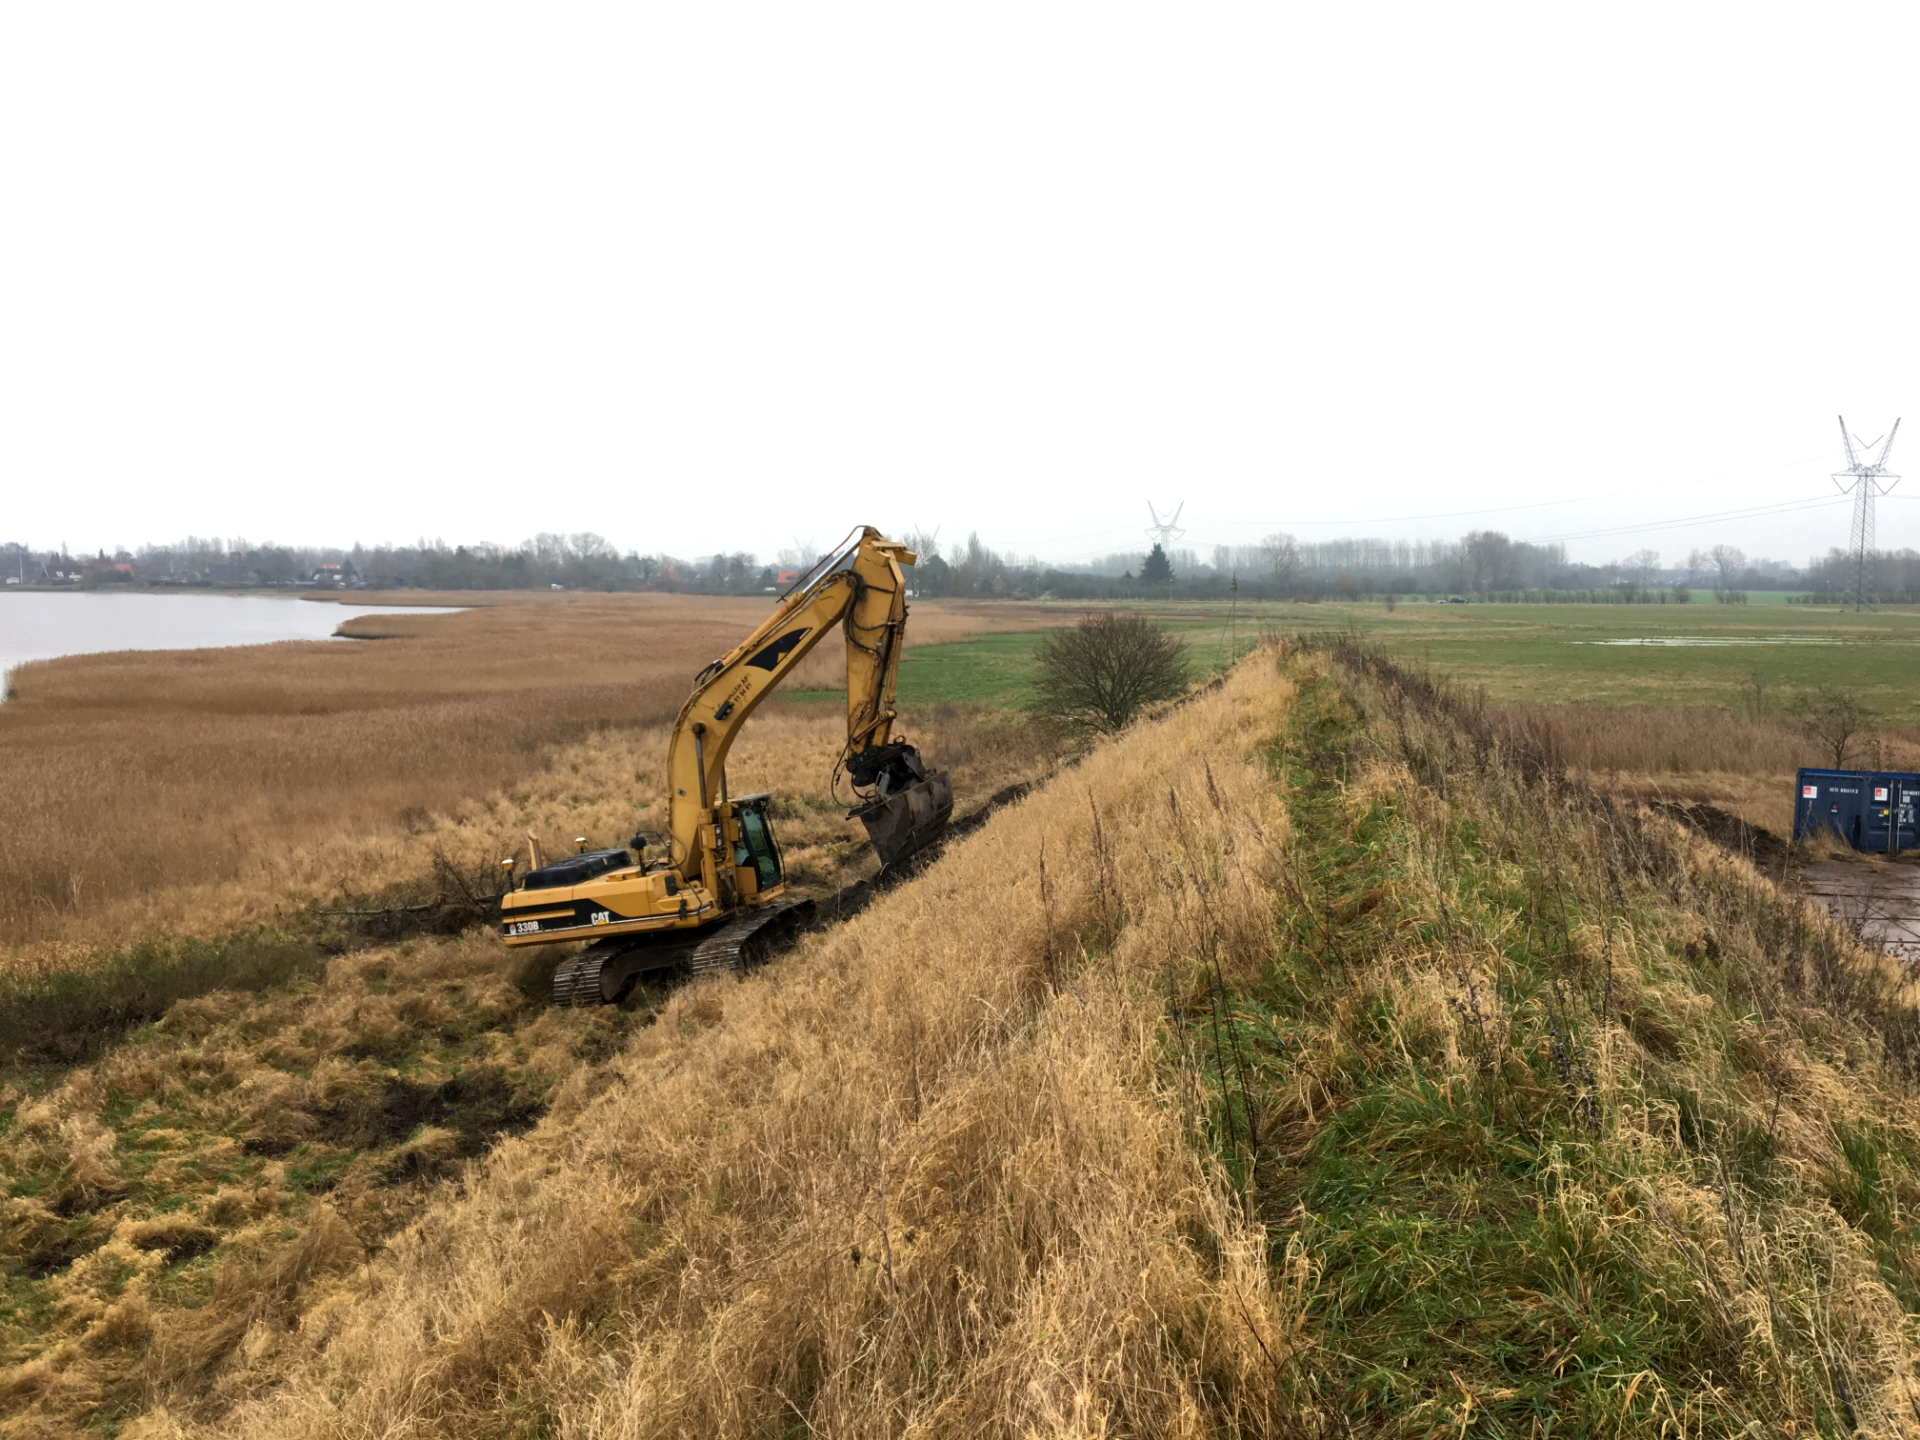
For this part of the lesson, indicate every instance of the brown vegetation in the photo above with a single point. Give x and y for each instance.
(1422, 1091)
(1698, 753)
(188, 1196)
(928, 1173)
(136, 780)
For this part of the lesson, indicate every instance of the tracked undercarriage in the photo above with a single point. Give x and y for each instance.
(604, 972)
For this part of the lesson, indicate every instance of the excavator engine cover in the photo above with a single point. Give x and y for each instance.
(909, 820)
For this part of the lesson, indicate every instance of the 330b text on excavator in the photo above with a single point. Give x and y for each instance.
(719, 897)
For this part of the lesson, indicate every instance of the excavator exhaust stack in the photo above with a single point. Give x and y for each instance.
(907, 821)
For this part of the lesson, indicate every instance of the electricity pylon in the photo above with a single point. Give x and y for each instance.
(1868, 480)
(1168, 530)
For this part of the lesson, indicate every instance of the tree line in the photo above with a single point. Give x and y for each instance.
(1481, 563)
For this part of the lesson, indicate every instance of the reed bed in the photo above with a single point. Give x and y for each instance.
(1648, 739)
(186, 788)
(1697, 754)
(1690, 739)
(930, 1174)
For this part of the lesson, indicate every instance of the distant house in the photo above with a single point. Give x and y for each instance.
(329, 575)
(786, 577)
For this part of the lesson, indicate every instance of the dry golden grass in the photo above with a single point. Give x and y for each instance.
(292, 1133)
(606, 787)
(1645, 739)
(1696, 753)
(930, 1173)
(187, 1194)
(185, 789)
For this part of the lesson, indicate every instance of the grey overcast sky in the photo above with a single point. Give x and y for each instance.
(702, 276)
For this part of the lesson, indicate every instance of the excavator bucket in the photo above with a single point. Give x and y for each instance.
(909, 820)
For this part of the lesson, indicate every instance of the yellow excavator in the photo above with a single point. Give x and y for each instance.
(718, 899)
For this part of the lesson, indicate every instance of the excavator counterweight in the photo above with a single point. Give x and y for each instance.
(718, 898)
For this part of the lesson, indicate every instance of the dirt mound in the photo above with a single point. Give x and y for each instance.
(1766, 850)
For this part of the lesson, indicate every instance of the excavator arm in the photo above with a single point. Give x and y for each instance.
(859, 587)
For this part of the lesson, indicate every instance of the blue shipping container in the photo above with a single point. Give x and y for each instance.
(1831, 801)
(1887, 813)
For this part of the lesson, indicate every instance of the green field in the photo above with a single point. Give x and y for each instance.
(1532, 654)
(998, 669)
(1700, 655)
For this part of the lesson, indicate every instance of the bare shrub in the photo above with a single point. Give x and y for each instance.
(1096, 677)
(1833, 718)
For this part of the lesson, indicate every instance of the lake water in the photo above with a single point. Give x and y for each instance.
(40, 625)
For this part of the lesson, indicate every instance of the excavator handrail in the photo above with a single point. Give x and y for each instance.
(827, 563)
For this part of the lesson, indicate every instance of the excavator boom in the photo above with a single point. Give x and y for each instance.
(858, 586)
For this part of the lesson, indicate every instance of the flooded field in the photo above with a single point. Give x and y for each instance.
(1685, 640)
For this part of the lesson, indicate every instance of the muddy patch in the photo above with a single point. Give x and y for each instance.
(1879, 902)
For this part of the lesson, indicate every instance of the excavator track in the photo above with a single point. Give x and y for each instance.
(600, 974)
(577, 981)
(746, 941)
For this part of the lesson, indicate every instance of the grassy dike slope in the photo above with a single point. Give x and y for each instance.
(935, 1172)
(1582, 1125)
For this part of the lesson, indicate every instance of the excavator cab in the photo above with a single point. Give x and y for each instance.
(756, 857)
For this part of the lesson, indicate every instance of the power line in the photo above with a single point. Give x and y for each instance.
(1529, 505)
(1785, 507)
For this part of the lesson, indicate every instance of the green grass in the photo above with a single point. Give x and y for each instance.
(1521, 654)
(1449, 1265)
(1543, 654)
(66, 1017)
(1488, 1259)
(997, 670)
